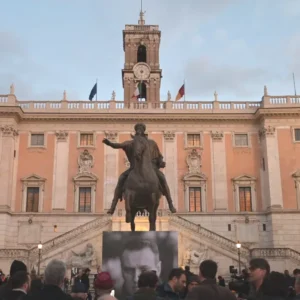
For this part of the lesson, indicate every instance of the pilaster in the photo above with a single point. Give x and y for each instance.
(170, 155)
(111, 169)
(60, 173)
(9, 134)
(272, 180)
(219, 173)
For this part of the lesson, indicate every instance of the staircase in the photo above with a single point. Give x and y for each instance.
(286, 253)
(215, 239)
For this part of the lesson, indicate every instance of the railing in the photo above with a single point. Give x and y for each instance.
(14, 253)
(275, 252)
(151, 107)
(69, 235)
(142, 27)
(160, 213)
(212, 236)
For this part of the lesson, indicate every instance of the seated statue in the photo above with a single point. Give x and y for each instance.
(157, 163)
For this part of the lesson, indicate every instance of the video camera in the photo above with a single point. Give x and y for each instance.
(232, 270)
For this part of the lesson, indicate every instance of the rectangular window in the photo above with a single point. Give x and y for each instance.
(32, 203)
(193, 140)
(85, 199)
(86, 139)
(297, 134)
(37, 139)
(245, 199)
(195, 199)
(264, 227)
(241, 140)
(229, 227)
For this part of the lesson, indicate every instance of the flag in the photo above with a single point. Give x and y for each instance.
(180, 93)
(93, 92)
(137, 92)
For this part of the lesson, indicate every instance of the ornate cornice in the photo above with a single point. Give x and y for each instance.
(169, 136)
(217, 135)
(61, 135)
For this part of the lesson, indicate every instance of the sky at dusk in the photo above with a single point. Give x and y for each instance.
(234, 47)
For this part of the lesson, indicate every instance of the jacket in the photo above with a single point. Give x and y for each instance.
(209, 290)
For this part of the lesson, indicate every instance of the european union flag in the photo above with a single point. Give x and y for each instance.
(93, 92)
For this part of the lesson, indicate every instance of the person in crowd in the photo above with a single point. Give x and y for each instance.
(175, 285)
(192, 281)
(20, 285)
(16, 266)
(297, 288)
(188, 272)
(221, 281)
(290, 280)
(208, 289)
(274, 287)
(103, 286)
(86, 281)
(54, 276)
(147, 284)
(259, 270)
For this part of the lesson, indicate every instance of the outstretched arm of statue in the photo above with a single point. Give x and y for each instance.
(114, 145)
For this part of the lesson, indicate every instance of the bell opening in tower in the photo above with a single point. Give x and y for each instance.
(143, 92)
(142, 54)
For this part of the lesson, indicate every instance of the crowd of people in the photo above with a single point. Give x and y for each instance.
(259, 283)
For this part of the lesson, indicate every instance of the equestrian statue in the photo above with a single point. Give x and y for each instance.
(143, 183)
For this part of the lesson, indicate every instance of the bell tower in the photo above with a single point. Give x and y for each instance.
(141, 74)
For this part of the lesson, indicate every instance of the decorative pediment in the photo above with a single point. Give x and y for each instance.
(33, 177)
(195, 177)
(85, 177)
(32, 181)
(244, 178)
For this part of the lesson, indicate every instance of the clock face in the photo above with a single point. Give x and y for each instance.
(141, 71)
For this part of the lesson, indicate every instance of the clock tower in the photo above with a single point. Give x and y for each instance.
(141, 74)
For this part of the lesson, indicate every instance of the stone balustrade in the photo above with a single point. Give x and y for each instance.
(163, 107)
(275, 252)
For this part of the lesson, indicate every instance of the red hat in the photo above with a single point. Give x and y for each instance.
(103, 281)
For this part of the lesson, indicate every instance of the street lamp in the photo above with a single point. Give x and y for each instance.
(40, 247)
(238, 246)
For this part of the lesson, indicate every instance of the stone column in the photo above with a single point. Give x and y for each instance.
(60, 172)
(219, 173)
(9, 134)
(272, 178)
(111, 169)
(171, 173)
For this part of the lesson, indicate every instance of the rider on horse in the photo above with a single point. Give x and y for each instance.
(157, 163)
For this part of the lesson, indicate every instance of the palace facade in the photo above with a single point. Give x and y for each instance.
(233, 169)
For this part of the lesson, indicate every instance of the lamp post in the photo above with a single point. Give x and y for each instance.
(238, 246)
(40, 247)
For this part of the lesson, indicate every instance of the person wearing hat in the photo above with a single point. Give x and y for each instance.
(103, 285)
(16, 266)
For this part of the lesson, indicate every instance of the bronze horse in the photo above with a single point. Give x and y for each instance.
(142, 189)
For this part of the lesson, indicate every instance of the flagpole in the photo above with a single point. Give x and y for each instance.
(96, 89)
(294, 84)
(184, 88)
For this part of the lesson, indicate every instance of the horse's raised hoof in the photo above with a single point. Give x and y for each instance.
(173, 209)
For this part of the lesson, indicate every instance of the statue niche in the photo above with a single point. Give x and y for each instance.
(85, 162)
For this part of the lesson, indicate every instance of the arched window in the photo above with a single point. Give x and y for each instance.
(142, 54)
(143, 91)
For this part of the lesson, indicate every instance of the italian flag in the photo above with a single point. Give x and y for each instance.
(180, 93)
(137, 92)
